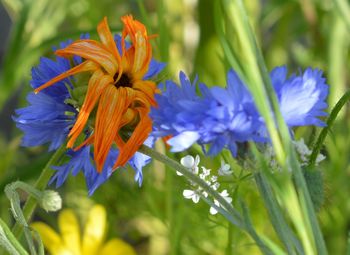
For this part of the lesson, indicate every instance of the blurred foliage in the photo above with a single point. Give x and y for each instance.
(155, 218)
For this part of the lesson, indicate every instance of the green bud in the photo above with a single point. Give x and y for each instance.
(51, 201)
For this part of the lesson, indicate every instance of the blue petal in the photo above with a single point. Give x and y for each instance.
(183, 141)
(154, 69)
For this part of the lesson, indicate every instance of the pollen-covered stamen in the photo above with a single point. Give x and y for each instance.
(124, 81)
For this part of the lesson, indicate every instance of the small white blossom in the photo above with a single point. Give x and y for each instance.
(212, 210)
(206, 172)
(205, 194)
(224, 169)
(302, 149)
(214, 178)
(190, 163)
(191, 194)
(215, 186)
(320, 157)
(225, 195)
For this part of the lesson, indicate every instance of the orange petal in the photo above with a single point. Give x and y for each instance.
(97, 83)
(147, 87)
(89, 140)
(140, 45)
(92, 50)
(83, 67)
(137, 138)
(119, 141)
(107, 39)
(128, 117)
(143, 55)
(111, 108)
(131, 26)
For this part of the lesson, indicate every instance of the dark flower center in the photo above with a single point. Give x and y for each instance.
(124, 81)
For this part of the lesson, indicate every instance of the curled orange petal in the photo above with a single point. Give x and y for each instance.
(83, 67)
(138, 137)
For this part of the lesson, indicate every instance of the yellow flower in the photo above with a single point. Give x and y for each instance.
(70, 241)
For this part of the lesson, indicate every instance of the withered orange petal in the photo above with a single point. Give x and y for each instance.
(88, 141)
(143, 53)
(138, 137)
(97, 83)
(83, 67)
(128, 117)
(147, 87)
(107, 39)
(91, 50)
(112, 106)
(131, 27)
(119, 141)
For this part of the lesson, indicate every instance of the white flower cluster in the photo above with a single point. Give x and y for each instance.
(303, 151)
(205, 174)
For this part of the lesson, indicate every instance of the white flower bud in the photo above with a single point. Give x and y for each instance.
(51, 201)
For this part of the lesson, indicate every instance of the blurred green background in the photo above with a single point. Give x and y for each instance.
(155, 218)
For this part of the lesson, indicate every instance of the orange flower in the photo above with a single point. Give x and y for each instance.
(116, 88)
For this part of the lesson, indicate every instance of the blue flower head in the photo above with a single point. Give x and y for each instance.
(225, 117)
(302, 98)
(215, 117)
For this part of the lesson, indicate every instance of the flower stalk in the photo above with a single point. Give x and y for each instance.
(41, 184)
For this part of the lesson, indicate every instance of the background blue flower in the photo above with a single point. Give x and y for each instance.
(302, 98)
(225, 117)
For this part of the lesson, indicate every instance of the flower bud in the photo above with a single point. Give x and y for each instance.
(51, 201)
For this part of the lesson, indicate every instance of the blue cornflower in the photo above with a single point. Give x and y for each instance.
(225, 117)
(46, 119)
(52, 113)
(302, 98)
(218, 117)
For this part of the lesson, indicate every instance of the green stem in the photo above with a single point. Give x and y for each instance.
(229, 249)
(9, 241)
(332, 117)
(344, 10)
(308, 207)
(276, 216)
(41, 184)
(348, 245)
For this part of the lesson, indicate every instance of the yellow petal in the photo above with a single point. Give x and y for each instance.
(50, 238)
(70, 231)
(117, 247)
(94, 230)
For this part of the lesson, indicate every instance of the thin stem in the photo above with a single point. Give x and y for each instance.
(9, 241)
(332, 117)
(229, 249)
(343, 8)
(41, 184)
(276, 216)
